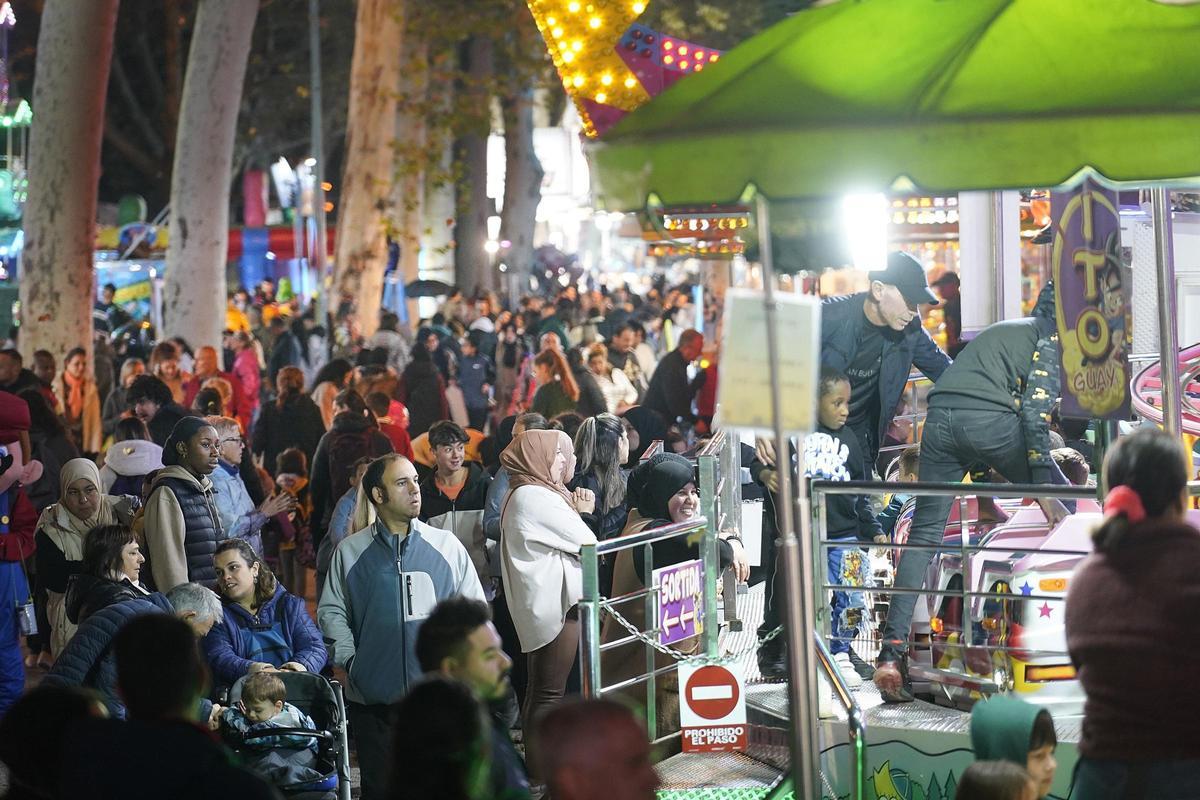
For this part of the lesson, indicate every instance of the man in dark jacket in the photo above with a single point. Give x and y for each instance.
(352, 436)
(459, 641)
(454, 496)
(670, 392)
(876, 338)
(151, 401)
(14, 377)
(991, 408)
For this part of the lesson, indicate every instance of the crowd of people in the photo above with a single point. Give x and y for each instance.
(438, 481)
(190, 538)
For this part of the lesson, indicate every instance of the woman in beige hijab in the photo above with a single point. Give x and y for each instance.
(541, 535)
(61, 528)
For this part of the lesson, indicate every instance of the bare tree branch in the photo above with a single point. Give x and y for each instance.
(132, 153)
(136, 112)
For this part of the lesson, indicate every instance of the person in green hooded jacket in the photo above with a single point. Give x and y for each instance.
(1006, 728)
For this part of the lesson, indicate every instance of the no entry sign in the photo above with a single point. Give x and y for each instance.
(680, 601)
(712, 708)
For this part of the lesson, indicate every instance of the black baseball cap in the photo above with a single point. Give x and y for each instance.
(906, 274)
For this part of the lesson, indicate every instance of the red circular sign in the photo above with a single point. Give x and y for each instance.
(712, 692)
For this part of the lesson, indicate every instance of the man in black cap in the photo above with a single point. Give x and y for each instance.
(874, 338)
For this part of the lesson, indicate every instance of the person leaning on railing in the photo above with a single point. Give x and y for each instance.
(1131, 621)
(662, 491)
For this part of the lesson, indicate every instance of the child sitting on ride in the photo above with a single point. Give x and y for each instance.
(902, 470)
(283, 759)
(1006, 728)
(835, 453)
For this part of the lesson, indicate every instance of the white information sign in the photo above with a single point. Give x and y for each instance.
(744, 393)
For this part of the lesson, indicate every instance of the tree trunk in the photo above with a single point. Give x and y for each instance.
(523, 175)
(366, 180)
(472, 264)
(412, 141)
(203, 170)
(57, 286)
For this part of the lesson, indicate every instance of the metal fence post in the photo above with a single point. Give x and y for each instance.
(652, 623)
(589, 622)
(708, 552)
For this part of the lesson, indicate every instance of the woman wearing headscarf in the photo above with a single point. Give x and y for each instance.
(60, 532)
(650, 427)
(661, 491)
(81, 402)
(541, 535)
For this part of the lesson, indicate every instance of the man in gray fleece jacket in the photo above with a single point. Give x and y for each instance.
(383, 583)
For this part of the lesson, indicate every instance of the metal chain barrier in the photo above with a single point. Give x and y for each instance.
(646, 638)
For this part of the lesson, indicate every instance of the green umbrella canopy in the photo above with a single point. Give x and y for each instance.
(867, 95)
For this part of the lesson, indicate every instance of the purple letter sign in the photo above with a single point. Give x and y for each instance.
(680, 601)
(1092, 284)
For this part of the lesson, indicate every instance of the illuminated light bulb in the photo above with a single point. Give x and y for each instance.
(713, 57)
(699, 55)
(601, 97)
(576, 45)
(606, 80)
(577, 81)
(630, 83)
(594, 22)
(683, 50)
(683, 65)
(638, 8)
(573, 8)
(668, 44)
(557, 33)
(568, 57)
(699, 66)
(668, 60)
(551, 21)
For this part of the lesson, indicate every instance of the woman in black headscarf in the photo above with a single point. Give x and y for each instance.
(649, 426)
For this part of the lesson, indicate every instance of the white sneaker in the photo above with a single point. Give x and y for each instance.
(852, 678)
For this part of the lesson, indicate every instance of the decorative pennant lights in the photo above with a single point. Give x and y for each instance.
(609, 65)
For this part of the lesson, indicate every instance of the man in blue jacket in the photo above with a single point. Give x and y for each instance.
(383, 582)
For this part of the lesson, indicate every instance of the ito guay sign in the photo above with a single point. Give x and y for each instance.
(680, 601)
(712, 711)
(1091, 280)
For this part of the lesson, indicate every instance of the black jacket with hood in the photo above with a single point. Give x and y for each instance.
(351, 437)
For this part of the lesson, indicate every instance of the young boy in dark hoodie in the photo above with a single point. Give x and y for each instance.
(834, 452)
(1007, 728)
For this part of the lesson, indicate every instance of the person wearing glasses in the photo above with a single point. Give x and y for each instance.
(239, 518)
(182, 524)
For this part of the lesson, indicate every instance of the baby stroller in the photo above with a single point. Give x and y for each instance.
(322, 700)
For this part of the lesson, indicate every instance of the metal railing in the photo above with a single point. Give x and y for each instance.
(591, 604)
(822, 489)
(719, 465)
(855, 721)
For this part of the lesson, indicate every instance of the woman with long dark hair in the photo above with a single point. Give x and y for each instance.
(130, 459)
(423, 391)
(293, 420)
(557, 390)
(1131, 611)
(510, 356)
(601, 447)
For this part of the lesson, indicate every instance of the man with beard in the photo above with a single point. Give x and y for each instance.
(459, 641)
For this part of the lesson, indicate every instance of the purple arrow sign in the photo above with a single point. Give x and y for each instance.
(680, 601)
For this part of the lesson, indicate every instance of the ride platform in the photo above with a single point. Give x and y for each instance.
(915, 751)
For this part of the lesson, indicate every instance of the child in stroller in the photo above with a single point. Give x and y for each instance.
(302, 757)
